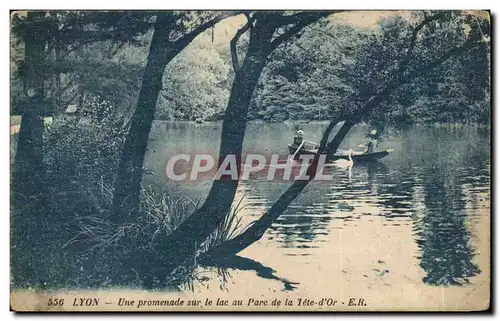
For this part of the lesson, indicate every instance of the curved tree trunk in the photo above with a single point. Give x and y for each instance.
(182, 243)
(129, 172)
(258, 228)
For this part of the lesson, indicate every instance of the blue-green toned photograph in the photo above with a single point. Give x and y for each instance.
(250, 160)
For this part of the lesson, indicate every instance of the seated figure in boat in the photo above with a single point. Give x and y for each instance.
(302, 144)
(299, 138)
(372, 141)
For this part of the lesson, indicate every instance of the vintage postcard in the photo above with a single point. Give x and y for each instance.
(249, 160)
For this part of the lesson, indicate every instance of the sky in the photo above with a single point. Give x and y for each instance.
(226, 29)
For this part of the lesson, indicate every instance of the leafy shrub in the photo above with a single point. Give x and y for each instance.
(85, 147)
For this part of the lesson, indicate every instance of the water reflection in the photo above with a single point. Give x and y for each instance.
(435, 183)
(443, 236)
(225, 265)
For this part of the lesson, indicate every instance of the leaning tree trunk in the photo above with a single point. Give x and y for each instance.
(28, 171)
(129, 172)
(258, 228)
(182, 243)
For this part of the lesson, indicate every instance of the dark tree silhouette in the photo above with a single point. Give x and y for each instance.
(28, 169)
(263, 27)
(162, 51)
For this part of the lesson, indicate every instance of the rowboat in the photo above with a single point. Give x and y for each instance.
(342, 154)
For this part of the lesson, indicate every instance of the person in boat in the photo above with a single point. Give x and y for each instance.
(372, 141)
(299, 138)
(299, 141)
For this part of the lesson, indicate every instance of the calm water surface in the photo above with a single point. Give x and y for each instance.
(421, 215)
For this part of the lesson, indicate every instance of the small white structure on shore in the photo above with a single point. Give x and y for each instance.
(71, 110)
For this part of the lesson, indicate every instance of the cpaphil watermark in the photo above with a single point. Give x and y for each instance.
(195, 167)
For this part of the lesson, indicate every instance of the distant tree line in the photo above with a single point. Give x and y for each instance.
(308, 79)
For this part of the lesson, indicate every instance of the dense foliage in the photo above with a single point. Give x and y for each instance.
(328, 68)
(331, 68)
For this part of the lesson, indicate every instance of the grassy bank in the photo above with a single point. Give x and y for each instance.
(72, 243)
(66, 237)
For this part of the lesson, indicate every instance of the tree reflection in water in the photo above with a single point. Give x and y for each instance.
(223, 266)
(443, 236)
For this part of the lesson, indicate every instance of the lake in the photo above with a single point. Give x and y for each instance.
(401, 233)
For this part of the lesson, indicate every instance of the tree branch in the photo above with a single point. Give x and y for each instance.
(303, 16)
(413, 39)
(301, 20)
(234, 42)
(402, 78)
(469, 44)
(186, 39)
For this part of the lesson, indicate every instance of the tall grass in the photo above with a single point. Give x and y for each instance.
(229, 228)
(159, 215)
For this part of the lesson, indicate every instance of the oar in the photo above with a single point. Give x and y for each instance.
(300, 146)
